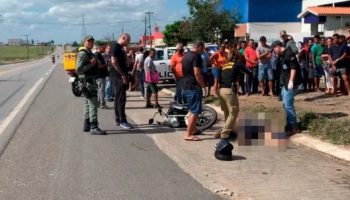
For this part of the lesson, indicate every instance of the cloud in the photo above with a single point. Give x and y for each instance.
(108, 16)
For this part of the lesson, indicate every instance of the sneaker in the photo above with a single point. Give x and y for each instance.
(125, 125)
(104, 107)
(97, 131)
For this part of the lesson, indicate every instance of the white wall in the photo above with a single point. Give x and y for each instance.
(307, 3)
(272, 30)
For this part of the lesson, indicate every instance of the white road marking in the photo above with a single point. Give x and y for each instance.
(6, 122)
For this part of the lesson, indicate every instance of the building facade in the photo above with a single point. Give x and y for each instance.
(269, 17)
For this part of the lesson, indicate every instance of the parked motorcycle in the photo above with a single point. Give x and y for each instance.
(177, 116)
(69, 60)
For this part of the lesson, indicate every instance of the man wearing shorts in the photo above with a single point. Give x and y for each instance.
(317, 50)
(265, 68)
(192, 87)
(337, 55)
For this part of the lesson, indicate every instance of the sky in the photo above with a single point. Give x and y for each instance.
(61, 20)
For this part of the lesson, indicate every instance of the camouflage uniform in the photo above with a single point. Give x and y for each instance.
(88, 73)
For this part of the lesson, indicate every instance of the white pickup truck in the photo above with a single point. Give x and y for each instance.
(162, 62)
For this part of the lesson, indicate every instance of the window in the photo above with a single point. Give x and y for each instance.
(159, 55)
(171, 52)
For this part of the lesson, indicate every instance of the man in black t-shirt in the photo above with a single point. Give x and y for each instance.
(119, 73)
(337, 58)
(290, 79)
(192, 87)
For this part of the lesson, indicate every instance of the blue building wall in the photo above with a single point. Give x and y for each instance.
(266, 10)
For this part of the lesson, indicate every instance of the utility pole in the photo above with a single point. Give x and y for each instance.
(27, 46)
(112, 36)
(122, 29)
(83, 28)
(149, 27)
(145, 34)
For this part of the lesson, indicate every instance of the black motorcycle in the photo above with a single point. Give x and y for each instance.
(177, 116)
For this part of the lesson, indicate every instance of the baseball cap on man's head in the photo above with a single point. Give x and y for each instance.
(89, 37)
(283, 33)
(276, 43)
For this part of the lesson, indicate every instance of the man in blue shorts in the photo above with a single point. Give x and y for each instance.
(193, 83)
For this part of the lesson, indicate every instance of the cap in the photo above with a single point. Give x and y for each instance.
(283, 33)
(276, 43)
(88, 37)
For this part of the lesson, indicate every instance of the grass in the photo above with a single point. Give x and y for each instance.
(13, 54)
(336, 131)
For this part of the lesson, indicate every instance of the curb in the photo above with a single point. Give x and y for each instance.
(11, 128)
(338, 152)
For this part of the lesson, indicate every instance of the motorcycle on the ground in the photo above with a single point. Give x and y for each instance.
(69, 60)
(177, 116)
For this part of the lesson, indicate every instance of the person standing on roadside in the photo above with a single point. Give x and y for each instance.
(316, 51)
(206, 70)
(228, 93)
(337, 55)
(251, 63)
(290, 80)
(192, 88)
(152, 87)
(103, 73)
(218, 59)
(265, 69)
(176, 68)
(139, 71)
(119, 76)
(109, 90)
(88, 71)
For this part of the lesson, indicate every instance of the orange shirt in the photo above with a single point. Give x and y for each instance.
(251, 54)
(219, 59)
(176, 64)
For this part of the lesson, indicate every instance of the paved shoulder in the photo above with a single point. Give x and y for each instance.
(50, 158)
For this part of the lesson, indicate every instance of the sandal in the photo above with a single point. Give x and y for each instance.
(193, 139)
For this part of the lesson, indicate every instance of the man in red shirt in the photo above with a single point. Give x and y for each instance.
(252, 65)
(176, 68)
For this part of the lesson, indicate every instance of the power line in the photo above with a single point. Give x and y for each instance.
(27, 46)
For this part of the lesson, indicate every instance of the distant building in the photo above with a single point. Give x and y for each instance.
(266, 17)
(157, 38)
(300, 18)
(1, 43)
(16, 42)
(325, 17)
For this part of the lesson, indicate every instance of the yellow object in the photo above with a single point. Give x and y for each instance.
(69, 61)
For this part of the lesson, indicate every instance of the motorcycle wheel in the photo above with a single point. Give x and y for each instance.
(205, 120)
(76, 89)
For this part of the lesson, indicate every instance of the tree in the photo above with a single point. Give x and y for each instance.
(210, 21)
(75, 44)
(176, 33)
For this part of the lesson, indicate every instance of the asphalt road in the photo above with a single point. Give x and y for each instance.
(50, 157)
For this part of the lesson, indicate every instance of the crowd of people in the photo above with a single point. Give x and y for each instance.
(281, 69)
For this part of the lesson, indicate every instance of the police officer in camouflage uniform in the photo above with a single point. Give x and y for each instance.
(87, 69)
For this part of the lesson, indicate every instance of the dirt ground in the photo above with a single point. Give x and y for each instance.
(317, 102)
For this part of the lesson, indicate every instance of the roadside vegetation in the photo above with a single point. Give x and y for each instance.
(14, 54)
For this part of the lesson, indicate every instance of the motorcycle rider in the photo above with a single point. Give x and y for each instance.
(88, 70)
(53, 58)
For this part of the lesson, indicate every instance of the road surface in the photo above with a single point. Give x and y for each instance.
(49, 156)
